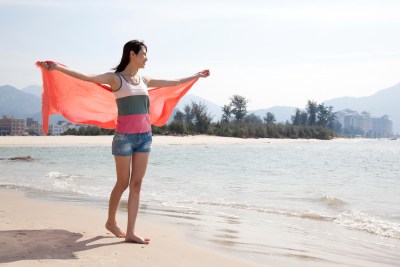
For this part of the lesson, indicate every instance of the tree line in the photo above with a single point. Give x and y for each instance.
(88, 130)
(315, 121)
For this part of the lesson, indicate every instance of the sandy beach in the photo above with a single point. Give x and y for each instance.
(106, 140)
(39, 233)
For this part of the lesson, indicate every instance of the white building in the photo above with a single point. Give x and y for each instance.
(59, 128)
(363, 124)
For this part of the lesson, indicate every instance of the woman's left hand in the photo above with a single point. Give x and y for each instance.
(203, 74)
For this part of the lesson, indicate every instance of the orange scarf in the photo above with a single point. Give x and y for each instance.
(84, 102)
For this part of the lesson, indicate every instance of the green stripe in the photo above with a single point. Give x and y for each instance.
(135, 104)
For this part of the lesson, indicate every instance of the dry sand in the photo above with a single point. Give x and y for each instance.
(157, 140)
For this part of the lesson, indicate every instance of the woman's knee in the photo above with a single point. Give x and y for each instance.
(136, 185)
(121, 186)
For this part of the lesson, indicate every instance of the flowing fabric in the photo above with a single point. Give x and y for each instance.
(94, 104)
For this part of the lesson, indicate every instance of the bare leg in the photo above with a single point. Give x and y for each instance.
(139, 165)
(123, 165)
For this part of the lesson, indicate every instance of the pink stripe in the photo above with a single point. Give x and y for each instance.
(130, 124)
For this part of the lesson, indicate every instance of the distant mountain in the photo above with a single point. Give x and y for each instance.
(282, 113)
(18, 103)
(384, 102)
(27, 103)
(213, 109)
(34, 90)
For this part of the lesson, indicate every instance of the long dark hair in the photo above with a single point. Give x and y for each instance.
(133, 45)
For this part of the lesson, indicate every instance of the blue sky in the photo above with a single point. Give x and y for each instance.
(275, 53)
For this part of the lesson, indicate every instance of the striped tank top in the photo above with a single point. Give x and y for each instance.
(133, 107)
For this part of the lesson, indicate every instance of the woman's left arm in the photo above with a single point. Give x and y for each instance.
(165, 83)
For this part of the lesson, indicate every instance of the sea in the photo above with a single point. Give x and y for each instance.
(275, 202)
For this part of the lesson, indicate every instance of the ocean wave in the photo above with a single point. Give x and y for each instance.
(349, 219)
(63, 181)
(57, 175)
(361, 221)
(299, 214)
(271, 210)
(331, 202)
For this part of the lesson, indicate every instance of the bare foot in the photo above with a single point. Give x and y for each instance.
(137, 239)
(113, 228)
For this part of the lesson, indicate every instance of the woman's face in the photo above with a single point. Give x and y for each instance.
(140, 58)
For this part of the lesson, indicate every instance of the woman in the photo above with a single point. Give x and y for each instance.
(132, 140)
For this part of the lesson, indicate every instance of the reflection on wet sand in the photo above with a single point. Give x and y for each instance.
(224, 242)
(304, 257)
(234, 244)
(230, 219)
(230, 231)
(146, 209)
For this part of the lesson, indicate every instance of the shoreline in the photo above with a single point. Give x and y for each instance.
(38, 232)
(72, 140)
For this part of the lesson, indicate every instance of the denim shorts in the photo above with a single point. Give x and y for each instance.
(126, 144)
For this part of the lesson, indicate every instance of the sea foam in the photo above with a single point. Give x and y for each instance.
(361, 221)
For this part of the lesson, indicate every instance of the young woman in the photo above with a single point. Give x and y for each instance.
(132, 140)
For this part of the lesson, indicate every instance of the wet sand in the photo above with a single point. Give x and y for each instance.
(39, 233)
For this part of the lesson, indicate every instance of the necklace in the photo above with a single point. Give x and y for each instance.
(131, 80)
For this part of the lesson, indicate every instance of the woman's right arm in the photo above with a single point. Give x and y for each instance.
(106, 78)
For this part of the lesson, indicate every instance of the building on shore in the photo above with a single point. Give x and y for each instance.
(33, 127)
(356, 124)
(12, 126)
(60, 127)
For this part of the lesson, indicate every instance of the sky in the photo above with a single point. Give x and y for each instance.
(274, 53)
